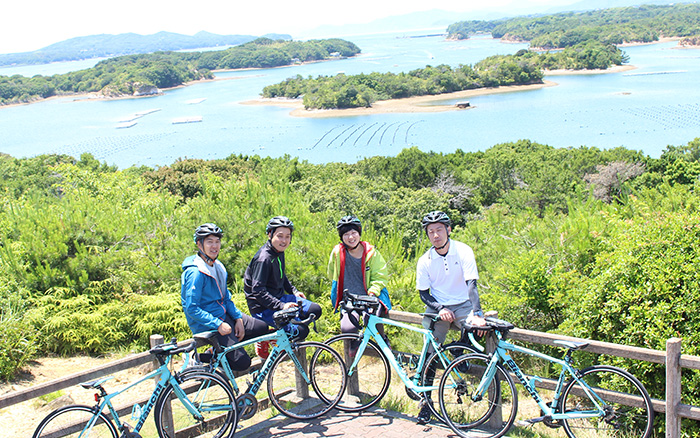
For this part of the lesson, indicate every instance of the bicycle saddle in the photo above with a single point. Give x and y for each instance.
(208, 338)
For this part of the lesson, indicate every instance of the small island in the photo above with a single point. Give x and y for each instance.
(442, 82)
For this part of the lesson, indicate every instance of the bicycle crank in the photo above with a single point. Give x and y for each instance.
(247, 406)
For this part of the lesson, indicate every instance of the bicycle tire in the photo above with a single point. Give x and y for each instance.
(477, 418)
(295, 398)
(438, 362)
(213, 397)
(69, 421)
(608, 382)
(370, 380)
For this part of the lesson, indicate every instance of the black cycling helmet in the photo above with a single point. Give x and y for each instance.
(205, 230)
(279, 222)
(435, 217)
(347, 223)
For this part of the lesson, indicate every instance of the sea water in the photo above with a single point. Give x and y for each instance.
(647, 109)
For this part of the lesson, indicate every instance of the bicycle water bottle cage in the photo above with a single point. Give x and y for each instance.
(283, 317)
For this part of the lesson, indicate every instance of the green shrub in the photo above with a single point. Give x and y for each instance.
(17, 343)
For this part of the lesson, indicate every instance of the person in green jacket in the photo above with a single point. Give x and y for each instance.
(359, 268)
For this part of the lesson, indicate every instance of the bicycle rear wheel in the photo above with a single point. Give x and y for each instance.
(435, 369)
(290, 393)
(71, 421)
(627, 407)
(370, 380)
(488, 416)
(215, 402)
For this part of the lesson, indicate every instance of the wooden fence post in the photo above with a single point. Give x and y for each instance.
(673, 387)
(302, 390)
(496, 419)
(167, 408)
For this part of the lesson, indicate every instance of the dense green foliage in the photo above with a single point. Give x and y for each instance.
(106, 45)
(525, 67)
(131, 74)
(609, 26)
(601, 244)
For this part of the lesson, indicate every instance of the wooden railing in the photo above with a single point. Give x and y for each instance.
(672, 358)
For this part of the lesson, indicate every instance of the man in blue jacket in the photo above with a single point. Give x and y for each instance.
(206, 300)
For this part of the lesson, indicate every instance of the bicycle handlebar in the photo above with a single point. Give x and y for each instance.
(172, 348)
(286, 316)
(492, 324)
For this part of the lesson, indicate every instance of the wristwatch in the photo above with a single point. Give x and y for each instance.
(479, 313)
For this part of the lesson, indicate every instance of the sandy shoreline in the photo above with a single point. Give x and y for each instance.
(421, 104)
(614, 69)
(418, 104)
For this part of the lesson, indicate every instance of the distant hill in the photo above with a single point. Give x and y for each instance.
(437, 19)
(106, 45)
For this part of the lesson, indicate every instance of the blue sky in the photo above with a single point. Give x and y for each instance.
(30, 26)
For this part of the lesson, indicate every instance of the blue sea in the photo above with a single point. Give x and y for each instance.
(647, 109)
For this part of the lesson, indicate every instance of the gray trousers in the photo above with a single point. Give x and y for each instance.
(461, 311)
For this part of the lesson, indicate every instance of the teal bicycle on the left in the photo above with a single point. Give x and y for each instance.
(194, 404)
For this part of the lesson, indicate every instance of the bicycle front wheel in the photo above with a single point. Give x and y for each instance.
(489, 415)
(298, 398)
(627, 410)
(212, 397)
(435, 369)
(74, 421)
(370, 380)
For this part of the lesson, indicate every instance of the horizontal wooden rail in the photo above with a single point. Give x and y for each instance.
(671, 407)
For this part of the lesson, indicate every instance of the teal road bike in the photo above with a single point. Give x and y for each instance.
(600, 401)
(371, 359)
(304, 379)
(194, 404)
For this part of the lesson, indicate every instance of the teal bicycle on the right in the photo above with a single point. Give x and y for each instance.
(600, 401)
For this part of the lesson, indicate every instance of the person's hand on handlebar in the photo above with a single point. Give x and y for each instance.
(478, 321)
(289, 305)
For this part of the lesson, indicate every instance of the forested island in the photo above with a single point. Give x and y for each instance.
(589, 41)
(524, 67)
(640, 24)
(107, 46)
(599, 244)
(132, 75)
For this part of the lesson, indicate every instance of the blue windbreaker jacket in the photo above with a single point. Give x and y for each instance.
(204, 303)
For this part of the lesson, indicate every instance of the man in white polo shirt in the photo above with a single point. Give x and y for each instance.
(446, 280)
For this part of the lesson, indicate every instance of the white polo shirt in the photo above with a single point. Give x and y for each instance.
(446, 276)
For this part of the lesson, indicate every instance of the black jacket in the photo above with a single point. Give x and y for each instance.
(265, 282)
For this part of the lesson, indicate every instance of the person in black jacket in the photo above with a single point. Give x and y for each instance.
(266, 285)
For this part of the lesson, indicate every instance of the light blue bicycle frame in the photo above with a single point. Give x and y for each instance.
(501, 354)
(283, 344)
(370, 331)
(165, 378)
